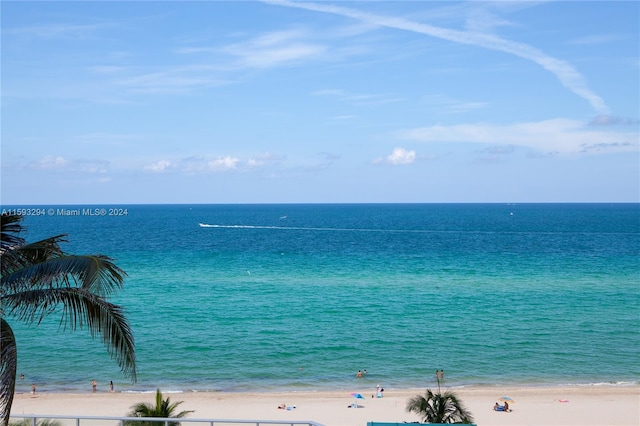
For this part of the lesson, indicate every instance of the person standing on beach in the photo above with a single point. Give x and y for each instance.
(33, 389)
(94, 385)
(111, 386)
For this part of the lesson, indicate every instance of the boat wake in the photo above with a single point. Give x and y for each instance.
(304, 228)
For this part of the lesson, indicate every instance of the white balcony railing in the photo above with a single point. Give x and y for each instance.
(35, 420)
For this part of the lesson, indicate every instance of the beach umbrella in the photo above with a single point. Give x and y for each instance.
(506, 399)
(357, 396)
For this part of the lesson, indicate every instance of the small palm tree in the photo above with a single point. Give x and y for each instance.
(439, 407)
(163, 408)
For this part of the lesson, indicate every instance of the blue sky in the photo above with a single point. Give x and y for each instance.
(320, 102)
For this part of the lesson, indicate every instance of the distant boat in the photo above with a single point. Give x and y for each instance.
(282, 217)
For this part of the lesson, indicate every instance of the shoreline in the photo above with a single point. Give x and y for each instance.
(561, 405)
(23, 389)
(24, 386)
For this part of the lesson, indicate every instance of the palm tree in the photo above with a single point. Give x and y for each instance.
(37, 279)
(163, 408)
(439, 407)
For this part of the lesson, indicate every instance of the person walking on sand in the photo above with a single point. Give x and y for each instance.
(94, 385)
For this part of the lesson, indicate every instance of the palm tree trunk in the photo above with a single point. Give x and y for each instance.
(8, 368)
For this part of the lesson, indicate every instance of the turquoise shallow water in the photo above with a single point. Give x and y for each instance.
(300, 297)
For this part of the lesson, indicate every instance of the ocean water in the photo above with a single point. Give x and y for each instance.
(301, 297)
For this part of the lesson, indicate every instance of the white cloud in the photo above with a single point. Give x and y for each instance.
(59, 163)
(273, 49)
(565, 72)
(260, 160)
(202, 165)
(556, 135)
(91, 166)
(223, 163)
(609, 120)
(158, 166)
(50, 162)
(399, 156)
(182, 79)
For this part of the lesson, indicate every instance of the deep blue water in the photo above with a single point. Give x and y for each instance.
(289, 297)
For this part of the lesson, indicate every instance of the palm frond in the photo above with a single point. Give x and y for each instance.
(80, 308)
(39, 251)
(8, 366)
(16, 254)
(162, 409)
(440, 407)
(96, 273)
(10, 229)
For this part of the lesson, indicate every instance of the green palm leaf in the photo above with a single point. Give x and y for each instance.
(10, 232)
(16, 254)
(96, 273)
(80, 308)
(163, 408)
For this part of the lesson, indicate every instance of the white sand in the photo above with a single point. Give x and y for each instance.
(588, 405)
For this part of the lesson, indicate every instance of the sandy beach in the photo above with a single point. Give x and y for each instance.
(588, 405)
